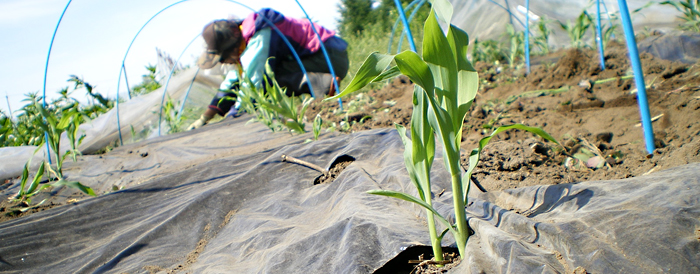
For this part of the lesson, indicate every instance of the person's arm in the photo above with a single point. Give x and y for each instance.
(252, 60)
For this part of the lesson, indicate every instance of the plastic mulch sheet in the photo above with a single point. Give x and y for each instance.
(243, 210)
(675, 46)
(468, 15)
(140, 115)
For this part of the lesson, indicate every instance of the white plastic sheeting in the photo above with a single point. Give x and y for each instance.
(483, 19)
(140, 114)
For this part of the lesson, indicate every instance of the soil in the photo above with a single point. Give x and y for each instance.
(10, 210)
(587, 109)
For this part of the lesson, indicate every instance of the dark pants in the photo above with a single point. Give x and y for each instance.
(288, 74)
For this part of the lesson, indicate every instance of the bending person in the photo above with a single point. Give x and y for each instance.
(249, 44)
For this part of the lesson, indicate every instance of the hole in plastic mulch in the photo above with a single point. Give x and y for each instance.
(406, 261)
(336, 168)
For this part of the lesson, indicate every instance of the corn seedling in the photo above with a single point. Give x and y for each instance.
(249, 97)
(691, 13)
(53, 128)
(272, 106)
(448, 81)
(24, 129)
(541, 41)
(446, 85)
(171, 116)
(292, 114)
(517, 45)
(577, 30)
(25, 194)
(149, 83)
(488, 51)
(318, 122)
(419, 154)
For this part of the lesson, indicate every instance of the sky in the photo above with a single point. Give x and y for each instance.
(93, 38)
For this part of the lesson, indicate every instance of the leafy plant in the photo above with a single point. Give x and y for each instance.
(171, 115)
(608, 34)
(419, 154)
(488, 51)
(292, 114)
(318, 122)
(53, 127)
(517, 44)
(541, 41)
(272, 106)
(446, 85)
(691, 13)
(449, 82)
(577, 29)
(25, 194)
(92, 110)
(149, 83)
(24, 130)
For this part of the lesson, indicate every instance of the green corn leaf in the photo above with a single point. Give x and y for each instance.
(318, 122)
(409, 198)
(408, 160)
(85, 189)
(37, 179)
(23, 180)
(421, 130)
(437, 51)
(31, 194)
(459, 42)
(467, 78)
(50, 118)
(442, 235)
(443, 8)
(66, 120)
(388, 74)
(411, 65)
(372, 67)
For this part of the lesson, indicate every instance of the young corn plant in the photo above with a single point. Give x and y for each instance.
(446, 85)
(70, 119)
(517, 45)
(541, 41)
(577, 29)
(272, 106)
(317, 125)
(691, 13)
(288, 108)
(449, 83)
(172, 117)
(27, 192)
(419, 154)
(488, 51)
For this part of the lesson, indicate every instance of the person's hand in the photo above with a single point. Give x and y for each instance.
(199, 123)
